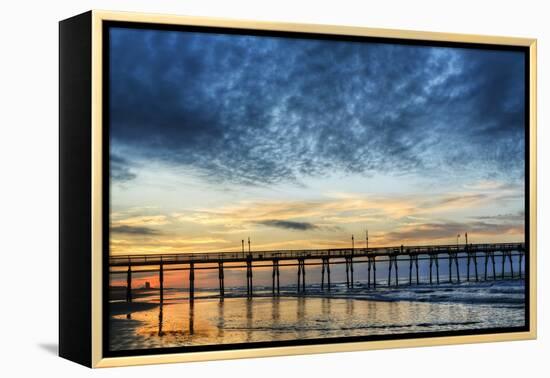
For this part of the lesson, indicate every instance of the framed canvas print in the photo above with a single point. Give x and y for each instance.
(235, 189)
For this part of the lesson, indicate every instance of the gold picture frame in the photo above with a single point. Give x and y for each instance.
(93, 262)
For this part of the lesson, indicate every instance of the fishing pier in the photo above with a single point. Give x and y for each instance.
(368, 258)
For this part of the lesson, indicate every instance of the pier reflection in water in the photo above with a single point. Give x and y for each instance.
(179, 322)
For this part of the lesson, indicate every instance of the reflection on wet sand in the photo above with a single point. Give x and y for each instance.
(180, 322)
(160, 320)
(191, 317)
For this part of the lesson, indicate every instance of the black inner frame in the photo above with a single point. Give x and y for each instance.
(301, 35)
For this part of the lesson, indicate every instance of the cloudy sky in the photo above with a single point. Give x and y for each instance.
(300, 143)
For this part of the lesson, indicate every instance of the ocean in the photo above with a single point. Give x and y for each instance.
(316, 315)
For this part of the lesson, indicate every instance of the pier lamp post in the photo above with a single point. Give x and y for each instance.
(457, 237)
(352, 244)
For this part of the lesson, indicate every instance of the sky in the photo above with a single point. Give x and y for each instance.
(302, 143)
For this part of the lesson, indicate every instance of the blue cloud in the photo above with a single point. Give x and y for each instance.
(248, 109)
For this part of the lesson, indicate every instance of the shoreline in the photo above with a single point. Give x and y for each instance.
(502, 292)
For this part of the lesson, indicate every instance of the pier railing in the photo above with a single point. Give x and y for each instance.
(215, 257)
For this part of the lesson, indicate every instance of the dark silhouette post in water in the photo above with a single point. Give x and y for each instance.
(192, 282)
(323, 274)
(457, 270)
(520, 261)
(303, 275)
(437, 267)
(490, 255)
(129, 284)
(511, 264)
(369, 267)
(221, 279)
(434, 260)
(275, 277)
(161, 282)
(413, 259)
(503, 264)
(274, 263)
(468, 254)
(472, 255)
(397, 267)
(248, 273)
(249, 277)
(486, 262)
(416, 267)
(347, 271)
(507, 255)
(371, 260)
(410, 269)
(328, 273)
(389, 269)
(494, 269)
(450, 267)
(393, 263)
(351, 260)
(453, 255)
(299, 272)
(249, 288)
(325, 267)
(374, 271)
(475, 262)
(431, 265)
(278, 286)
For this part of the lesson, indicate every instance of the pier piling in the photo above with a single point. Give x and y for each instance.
(520, 262)
(457, 268)
(129, 284)
(374, 272)
(221, 279)
(303, 266)
(278, 286)
(249, 288)
(328, 274)
(192, 282)
(431, 265)
(161, 283)
(275, 277)
(450, 267)
(347, 272)
(475, 265)
(301, 286)
(494, 268)
(351, 270)
(369, 267)
(393, 264)
(486, 262)
(413, 259)
(323, 274)
(503, 257)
